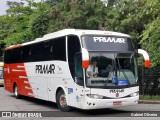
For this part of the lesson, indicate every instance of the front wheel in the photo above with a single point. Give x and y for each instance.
(62, 102)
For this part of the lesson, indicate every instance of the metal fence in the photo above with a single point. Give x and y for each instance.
(149, 80)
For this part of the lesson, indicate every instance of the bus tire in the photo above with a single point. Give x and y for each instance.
(15, 90)
(61, 101)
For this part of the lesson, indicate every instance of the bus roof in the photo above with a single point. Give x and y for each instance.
(82, 32)
(65, 32)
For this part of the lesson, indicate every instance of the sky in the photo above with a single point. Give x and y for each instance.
(3, 6)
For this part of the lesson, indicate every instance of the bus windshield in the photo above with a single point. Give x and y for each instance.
(111, 69)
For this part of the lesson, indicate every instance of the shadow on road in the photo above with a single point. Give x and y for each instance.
(38, 102)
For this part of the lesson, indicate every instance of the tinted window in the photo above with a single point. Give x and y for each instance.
(78, 70)
(54, 49)
(13, 56)
(47, 51)
(6, 57)
(26, 53)
(17, 55)
(36, 52)
(107, 43)
(59, 49)
(73, 48)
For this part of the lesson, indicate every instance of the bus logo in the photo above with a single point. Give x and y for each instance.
(117, 94)
(109, 39)
(59, 70)
(45, 69)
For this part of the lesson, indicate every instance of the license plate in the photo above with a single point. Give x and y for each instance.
(117, 103)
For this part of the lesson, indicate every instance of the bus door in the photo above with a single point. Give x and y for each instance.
(79, 81)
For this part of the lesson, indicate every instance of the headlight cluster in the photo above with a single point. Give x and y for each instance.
(94, 96)
(134, 94)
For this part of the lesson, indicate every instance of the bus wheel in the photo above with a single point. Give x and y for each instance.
(16, 92)
(62, 102)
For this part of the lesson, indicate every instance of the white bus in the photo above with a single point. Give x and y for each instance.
(59, 67)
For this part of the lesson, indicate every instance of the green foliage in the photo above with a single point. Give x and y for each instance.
(151, 40)
(138, 18)
(53, 2)
(18, 38)
(39, 25)
(149, 97)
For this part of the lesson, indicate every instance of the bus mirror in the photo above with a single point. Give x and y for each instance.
(85, 58)
(146, 57)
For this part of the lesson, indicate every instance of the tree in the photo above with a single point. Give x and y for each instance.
(138, 18)
(18, 20)
(150, 36)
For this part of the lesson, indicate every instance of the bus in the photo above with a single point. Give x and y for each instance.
(1, 74)
(58, 68)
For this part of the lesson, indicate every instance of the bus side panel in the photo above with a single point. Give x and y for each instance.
(64, 80)
(16, 73)
(47, 76)
(37, 80)
(7, 80)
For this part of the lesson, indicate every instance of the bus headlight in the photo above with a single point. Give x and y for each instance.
(94, 96)
(134, 94)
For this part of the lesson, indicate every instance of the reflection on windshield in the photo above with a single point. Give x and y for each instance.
(111, 69)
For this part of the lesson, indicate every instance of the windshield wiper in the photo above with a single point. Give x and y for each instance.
(125, 76)
(106, 81)
(123, 72)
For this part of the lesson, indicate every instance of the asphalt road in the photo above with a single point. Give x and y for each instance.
(9, 103)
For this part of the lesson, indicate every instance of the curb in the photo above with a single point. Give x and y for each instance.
(149, 101)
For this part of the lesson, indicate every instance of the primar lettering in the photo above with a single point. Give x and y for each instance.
(109, 39)
(45, 69)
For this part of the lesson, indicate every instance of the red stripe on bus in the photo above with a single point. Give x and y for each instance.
(19, 77)
(12, 47)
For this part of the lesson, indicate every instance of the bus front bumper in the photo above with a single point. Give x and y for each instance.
(109, 103)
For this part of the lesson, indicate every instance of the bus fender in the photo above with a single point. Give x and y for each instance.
(61, 88)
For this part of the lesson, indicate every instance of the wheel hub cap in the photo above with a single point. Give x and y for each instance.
(63, 102)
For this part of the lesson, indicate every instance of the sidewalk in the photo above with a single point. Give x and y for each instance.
(149, 101)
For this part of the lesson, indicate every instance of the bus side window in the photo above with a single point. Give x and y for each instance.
(73, 48)
(13, 56)
(6, 56)
(59, 48)
(17, 55)
(26, 53)
(78, 70)
(36, 52)
(46, 51)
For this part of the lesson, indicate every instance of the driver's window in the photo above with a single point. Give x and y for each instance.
(78, 70)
